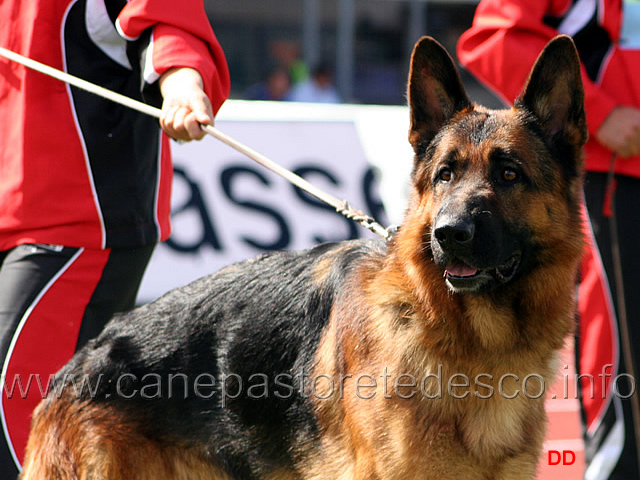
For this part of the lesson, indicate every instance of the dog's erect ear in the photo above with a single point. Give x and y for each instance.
(435, 91)
(554, 93)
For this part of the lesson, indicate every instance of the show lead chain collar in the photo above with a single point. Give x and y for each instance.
(341, 206)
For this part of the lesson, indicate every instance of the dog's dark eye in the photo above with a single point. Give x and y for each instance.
(509, 175)
(445, 175)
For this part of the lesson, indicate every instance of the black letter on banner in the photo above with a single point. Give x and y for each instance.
(374, 205)
(195, 202)
(313, 201)
(226, 178)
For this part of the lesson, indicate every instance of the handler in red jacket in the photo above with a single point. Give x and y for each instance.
(84, 183)
(500, 49)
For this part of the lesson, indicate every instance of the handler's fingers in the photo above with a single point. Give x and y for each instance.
(192, 126)
(183, 123)
(634, 144)
(168, 122)
(166, 118)
(179, 127)
(202, 110)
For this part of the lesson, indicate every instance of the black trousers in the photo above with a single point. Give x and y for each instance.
(53, 300)
(613, 440)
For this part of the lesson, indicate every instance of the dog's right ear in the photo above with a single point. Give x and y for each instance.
(435, 92)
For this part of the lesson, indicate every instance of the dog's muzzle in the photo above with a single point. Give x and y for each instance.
(453, 248)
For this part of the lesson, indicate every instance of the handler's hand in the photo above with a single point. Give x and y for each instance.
(185, 105)
(620, 132)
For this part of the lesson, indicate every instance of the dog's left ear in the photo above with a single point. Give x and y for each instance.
(435, 92)
(554, 93)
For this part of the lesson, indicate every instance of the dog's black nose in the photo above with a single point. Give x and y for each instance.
(454, 233)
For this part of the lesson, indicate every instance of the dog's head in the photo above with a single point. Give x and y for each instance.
(496, 192)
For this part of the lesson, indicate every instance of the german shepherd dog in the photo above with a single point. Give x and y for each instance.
(424, 357)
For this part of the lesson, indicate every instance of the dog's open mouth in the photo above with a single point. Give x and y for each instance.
(461, 276)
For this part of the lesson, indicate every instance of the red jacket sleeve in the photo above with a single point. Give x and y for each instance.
(504, 42)
(181, 37)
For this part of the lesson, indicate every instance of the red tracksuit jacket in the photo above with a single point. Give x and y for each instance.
(75, 169)
(507, 36)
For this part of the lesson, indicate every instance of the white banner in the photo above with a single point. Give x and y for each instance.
(227, 208)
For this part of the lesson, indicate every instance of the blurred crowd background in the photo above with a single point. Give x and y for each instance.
(362, 46)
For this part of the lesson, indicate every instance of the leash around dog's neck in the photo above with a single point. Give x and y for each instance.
(341, 206)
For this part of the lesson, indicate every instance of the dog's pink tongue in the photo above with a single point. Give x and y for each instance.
(459, 269)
